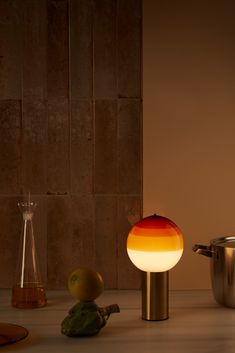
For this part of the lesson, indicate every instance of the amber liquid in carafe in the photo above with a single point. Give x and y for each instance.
(28, 297)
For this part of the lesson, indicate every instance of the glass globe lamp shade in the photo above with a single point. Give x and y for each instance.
(155, 244)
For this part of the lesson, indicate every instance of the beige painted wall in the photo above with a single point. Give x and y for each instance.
(189, 124)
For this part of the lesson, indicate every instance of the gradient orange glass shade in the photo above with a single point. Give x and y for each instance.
(155, 244)
(155, 233)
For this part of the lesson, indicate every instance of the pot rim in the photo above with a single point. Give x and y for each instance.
(228, 241)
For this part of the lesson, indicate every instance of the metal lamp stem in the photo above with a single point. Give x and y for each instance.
(155, 295)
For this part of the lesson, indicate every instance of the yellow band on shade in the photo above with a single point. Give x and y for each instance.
(155, 243)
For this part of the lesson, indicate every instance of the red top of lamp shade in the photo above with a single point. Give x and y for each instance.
(156, 222)
(155, 233)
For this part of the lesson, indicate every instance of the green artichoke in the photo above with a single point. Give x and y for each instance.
(86, 319)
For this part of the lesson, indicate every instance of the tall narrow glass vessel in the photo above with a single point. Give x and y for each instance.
(28, 290)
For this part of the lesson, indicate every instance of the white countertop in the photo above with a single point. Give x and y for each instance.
(196, 324)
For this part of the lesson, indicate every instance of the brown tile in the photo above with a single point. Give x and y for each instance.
(105, 174)
(10, 11)
(34, 49)
(70, 237)
(10, 157)
(106, 239)
(58, 163)
(81, 147)
(129, 212)
(129, 48)
(129, 146)
(57, 49)
(81, 49)
(10, 50)
(10, 231)
(34, 146)
(59, 238)
(83, 239)
(10, 120)
(105, 80)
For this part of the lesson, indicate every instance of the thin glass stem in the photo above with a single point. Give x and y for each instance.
(23, 256)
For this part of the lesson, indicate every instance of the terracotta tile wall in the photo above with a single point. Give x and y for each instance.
(71, 133)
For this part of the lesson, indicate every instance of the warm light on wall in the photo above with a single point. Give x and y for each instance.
(155, 245)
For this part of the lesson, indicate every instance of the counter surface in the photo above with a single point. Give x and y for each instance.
(196, 324)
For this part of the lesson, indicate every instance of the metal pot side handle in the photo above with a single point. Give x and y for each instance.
(203, 250)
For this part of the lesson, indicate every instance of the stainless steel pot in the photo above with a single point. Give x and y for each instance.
(222, 254)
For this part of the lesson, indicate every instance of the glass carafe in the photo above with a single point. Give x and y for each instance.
(28, 290)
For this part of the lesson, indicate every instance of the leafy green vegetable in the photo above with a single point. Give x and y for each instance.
(86, 319)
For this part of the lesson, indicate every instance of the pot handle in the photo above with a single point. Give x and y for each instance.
(203, 250)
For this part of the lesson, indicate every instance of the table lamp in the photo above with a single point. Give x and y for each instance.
(155, 245)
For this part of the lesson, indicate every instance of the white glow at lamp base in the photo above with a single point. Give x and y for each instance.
(155, 245)
(154, 261)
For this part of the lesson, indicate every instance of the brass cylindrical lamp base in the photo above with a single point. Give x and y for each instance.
(155, 295)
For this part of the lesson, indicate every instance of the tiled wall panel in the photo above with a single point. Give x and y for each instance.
(81, 48)
(58, 49)
(106, 238)
(105, 173)
(10, 230)
(70, 237)
(105, 75)
(34, 146)
(58, 160)
(128, 213)
(82, 145)
(71, 133)
(34, 49)
(10, 147)
(83, 237)
(59, 233)
(129, 47)
(10, 50)
(129, 146)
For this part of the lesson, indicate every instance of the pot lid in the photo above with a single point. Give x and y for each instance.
(228, 242)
